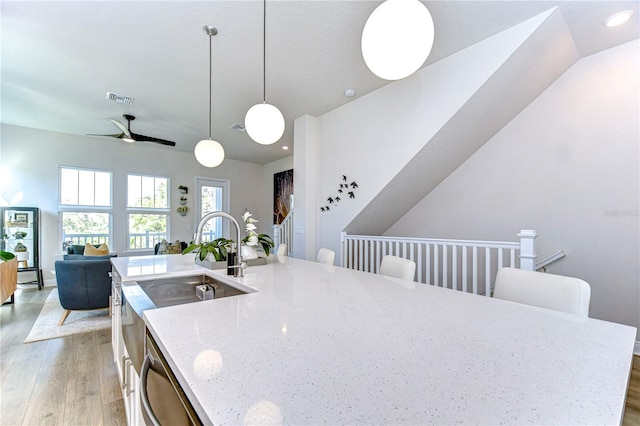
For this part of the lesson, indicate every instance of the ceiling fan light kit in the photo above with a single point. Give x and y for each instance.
(208, 152)
(264, 122)
(397, 38)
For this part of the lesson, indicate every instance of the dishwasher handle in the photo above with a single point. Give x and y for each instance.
(146, 406)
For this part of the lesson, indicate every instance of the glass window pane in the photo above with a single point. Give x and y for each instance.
(148, 191)
(145, 230)
(134, 186)
(81, 228)
(161, 193)
(86, 188)
(69, 186)
(211, 201)
(103, 189)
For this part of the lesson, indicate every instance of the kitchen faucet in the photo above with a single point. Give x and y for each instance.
(239, 265)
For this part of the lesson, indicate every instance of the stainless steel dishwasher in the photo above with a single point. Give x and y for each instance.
(163, 400)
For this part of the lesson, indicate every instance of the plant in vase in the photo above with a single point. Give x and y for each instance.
(253, 239)
(218, 249)
(19, 235)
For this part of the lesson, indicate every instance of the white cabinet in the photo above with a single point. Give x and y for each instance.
(129, 380)
(131, 393)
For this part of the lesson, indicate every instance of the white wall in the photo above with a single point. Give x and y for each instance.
(567, 166)
(30, 160)
(372, 138)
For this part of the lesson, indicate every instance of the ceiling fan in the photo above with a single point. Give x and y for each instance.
(128, 136)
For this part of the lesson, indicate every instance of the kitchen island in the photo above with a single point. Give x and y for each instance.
(321, 344)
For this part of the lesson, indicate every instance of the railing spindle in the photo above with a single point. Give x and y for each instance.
(474, 270)
(445, 266)
(454, 267)
(487, 271)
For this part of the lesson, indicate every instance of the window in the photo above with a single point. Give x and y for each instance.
(147, 211)
(85, 206)
(212, 196)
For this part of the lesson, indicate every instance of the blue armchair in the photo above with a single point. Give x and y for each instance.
(83, 284)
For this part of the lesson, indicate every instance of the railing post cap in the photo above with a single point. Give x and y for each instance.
(527, 233)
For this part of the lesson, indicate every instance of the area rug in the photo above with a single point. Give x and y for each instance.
(46, 325)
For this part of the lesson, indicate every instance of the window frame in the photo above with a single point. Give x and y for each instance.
(83, 208)
(161, 211)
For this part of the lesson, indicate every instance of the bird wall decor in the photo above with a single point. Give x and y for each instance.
(342, 187)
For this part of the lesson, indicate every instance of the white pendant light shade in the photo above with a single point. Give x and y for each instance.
(397, 38)
(264, 123)
(209, 153)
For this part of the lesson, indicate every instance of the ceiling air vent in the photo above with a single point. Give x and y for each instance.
(119, 99)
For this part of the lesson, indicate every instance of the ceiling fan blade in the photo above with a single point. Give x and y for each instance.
(143, 138)
(117, 135)
(119, 125)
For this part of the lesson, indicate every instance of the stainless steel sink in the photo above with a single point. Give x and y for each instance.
(139, 296)
(178, 290)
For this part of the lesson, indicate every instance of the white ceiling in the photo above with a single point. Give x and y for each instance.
(60, 58)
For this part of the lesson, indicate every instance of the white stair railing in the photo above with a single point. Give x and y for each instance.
(542, 264)
(464, 265)
(283, 233)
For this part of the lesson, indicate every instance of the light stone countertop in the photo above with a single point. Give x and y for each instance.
(319, 344)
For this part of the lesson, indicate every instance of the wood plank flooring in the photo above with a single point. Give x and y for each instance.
(632, 408)
(66, 381)
(73, 380)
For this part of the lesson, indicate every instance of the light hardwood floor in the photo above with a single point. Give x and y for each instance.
(66, 381)
(73, 381)
(632, 409)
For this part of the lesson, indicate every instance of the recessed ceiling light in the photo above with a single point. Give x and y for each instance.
(618, 18)
(350, 93)
(285, 147)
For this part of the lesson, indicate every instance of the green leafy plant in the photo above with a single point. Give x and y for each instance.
(6, 256)
(219, 248)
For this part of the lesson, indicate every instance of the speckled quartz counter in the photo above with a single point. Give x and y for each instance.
(318, 344)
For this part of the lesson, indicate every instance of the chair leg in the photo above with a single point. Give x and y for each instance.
(65, 314)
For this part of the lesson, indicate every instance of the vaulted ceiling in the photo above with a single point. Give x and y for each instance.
(59, 59)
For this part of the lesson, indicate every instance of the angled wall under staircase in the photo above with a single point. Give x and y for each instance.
(401, 141)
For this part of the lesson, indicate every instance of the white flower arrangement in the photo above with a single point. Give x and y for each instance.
(253, 238)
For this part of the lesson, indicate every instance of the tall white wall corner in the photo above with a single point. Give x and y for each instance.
(528, 249)
(305, 172)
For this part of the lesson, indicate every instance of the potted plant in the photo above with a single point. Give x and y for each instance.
(253, 242)
(212, 254)
(19, 235)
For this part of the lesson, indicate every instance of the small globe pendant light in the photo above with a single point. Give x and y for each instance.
(397, 38)
(208, 152)
(264, 122)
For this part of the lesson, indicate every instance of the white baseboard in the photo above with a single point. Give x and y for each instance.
(54, 283)
(636, 348)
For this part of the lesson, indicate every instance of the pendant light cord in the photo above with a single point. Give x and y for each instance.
(264, 51)
(210, 86)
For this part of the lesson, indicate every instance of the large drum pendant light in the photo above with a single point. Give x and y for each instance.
(208, 152)
(264, 122)
(397, 38)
